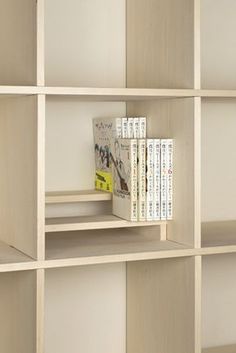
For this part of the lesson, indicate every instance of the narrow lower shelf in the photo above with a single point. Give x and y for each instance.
(93, 222)
(110, 245)
(55, 197)
(215, 234)
(222, 349)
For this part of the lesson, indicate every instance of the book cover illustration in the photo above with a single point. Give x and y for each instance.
(104, 130)
(124, 170)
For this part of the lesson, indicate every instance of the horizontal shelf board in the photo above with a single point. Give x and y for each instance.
(77, 196)
(222, 349)
(93, 222)
(219, 234)
(116, 94)
(9, 255)
(126, 243)
(90, 93)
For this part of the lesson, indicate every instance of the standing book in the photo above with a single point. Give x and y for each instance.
(124, 167)
(157, 180)
(142, 179)
(104, 131)
(149, 179)
(163, 179)
(169, 180)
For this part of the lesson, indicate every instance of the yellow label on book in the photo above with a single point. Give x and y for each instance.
(103, 181)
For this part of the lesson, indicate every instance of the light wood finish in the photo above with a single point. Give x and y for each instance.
(222, 349)
(197, 44)
(198, 304)
(40, 312)
(40, 42)
(40, 177)
(9, 255)
(116, 94)
(218, 233)
(197, 172)
(93, 222)
(53, 197)
(160, 306)
(18, 42)
(160, 49)
(132, 241)
(175, 118)
(17, 307)
(18, 180)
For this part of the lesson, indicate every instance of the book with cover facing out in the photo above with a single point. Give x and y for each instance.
(104, 130)
(149, 180)
(169, 181)
(124, 170)
(142, 179)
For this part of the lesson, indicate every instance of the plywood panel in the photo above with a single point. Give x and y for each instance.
(18, 42)
(160, 43)
(218, 300)
(85, 43)
(89, 314)
(160, 306)
(18, 180)
(218, 44)
(218, 141)
(18, 312)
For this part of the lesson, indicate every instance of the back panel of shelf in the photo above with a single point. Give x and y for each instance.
(218, 44)
(218, 303)
(18, 312)
(18, 41)
(218, 171)
(90, 43)
(94, 303)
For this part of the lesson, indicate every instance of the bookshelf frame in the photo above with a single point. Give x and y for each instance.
(178, 251)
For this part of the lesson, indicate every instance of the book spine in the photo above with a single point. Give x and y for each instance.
(149, 180)
(142, 127)
(118, 128)
(134, 180)
(157, 180)
(136, 128)
(130, 128)
(164, 179)
(124, 128)
(169, 179)
(142, 179)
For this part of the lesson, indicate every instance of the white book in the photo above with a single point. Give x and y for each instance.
(130, 128)
(124, 167)
(136, 128)
(124, 122)
(142, 127)
(142, 179)
(169, 179)
(157, 180)
(104, 130)
(164, 179)
(149, 179)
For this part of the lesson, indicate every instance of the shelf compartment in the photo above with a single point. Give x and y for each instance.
(221, 349)
(10, 255)
(109, 245)
(54, 197)
(94, 222)
(218, 233)
(18, 308)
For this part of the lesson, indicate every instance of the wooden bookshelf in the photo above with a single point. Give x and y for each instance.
(62, 64)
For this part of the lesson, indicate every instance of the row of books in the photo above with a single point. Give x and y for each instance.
(138, 171)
